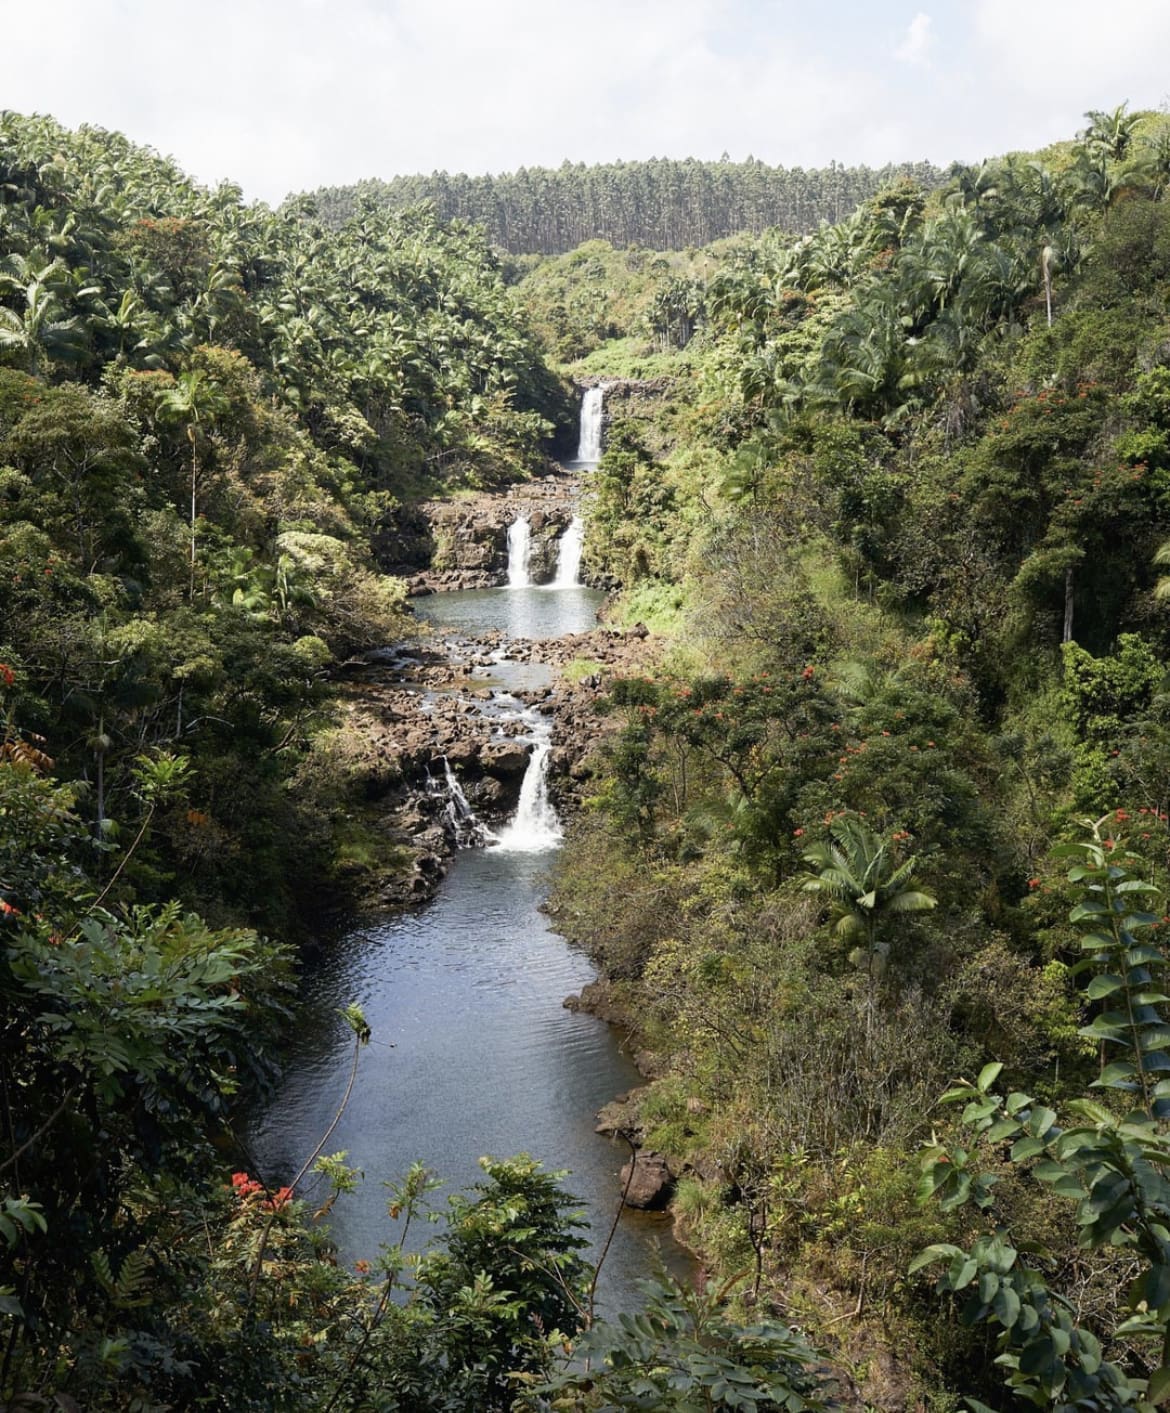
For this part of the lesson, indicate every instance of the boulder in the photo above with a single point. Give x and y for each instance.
(504, 758)
(461, 754)
(651, 1183)
(491, 794)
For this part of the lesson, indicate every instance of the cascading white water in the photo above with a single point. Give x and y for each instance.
(535, 825)
(569, 548)
(465, 828)
(592, 416)
(519, 553)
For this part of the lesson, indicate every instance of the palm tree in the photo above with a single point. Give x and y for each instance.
(865, 886)
(195, 400)
(1161, 559)
(1110, 134)
(41, 329)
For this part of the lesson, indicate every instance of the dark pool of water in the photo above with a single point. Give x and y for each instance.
(472, 1054)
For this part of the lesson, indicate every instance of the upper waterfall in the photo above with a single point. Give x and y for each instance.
(592, 417)
(569, 549)
(519, 553)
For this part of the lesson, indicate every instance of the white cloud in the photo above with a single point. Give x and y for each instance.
(1047, 53)
(290, 94)
(915, 47)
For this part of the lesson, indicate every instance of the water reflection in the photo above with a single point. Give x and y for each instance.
(472, 1053)
(535, 612)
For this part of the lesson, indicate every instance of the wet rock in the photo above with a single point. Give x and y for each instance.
(620, 1116)
(596, 999)
(649, 1185)
(491, 795)
(463, 753)
(504, 759)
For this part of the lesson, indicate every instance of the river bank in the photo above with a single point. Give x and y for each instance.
(467, 745)
(411, 713)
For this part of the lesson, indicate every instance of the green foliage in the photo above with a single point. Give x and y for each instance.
(632, 501)
(660, 203)
(1110, 1166)
(684, 1351)
(207, 410)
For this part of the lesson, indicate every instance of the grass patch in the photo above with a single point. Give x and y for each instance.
(631, 357)
(580, 668)
(660, 606)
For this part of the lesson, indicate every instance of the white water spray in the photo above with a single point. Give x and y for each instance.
(458, 817)
(569, 548)
(519, 553)
(592, 417)
(535, 826)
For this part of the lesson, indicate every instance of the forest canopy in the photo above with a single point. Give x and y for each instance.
(661, 204)
(873, 857)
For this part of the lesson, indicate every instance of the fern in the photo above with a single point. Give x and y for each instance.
(127, 1290)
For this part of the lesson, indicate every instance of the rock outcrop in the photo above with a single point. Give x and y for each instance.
(647, 1182)
(462, 543)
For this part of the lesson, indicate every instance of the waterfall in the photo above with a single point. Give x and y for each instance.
(459, 819)
(589, 446)
(569, 548)
(519, 553)
(535, 826)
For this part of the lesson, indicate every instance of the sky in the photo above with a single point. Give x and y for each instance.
(289, 95)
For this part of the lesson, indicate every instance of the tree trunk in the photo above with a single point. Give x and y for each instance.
(194, 478)
(1045, 257)
(101, 774)
(1068, 605)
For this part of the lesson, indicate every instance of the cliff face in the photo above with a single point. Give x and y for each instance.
(463, 543)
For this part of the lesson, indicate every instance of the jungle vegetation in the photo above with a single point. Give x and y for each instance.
(887, 832)
(876, 857)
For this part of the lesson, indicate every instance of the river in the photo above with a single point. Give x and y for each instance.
(472, 1050)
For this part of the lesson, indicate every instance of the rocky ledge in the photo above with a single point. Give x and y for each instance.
(462, 543)
(415, 711)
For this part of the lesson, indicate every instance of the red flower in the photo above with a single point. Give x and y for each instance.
(1033, 883)
(7, 676)
(245, 1186)
(796, 833)
(281, 1198)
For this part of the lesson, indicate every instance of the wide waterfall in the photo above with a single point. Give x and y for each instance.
(589, 446)
(519, 553)
(569, 548)
(535, 826)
